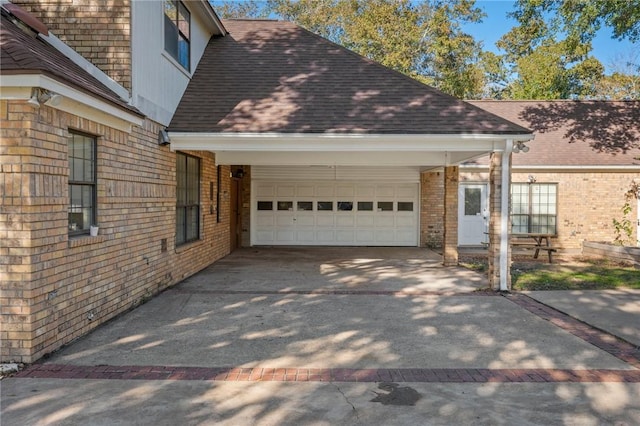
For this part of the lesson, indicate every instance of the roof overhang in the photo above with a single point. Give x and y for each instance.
(336, 149)
(74, 101)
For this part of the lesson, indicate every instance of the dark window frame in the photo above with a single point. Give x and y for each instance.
(184, 205)
(174, 35)
(533, 221)
(91, 183)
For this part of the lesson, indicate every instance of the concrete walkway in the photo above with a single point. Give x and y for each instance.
(334, 336)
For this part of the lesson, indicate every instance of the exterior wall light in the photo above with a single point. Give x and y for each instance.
(42, 96)
(520, 146)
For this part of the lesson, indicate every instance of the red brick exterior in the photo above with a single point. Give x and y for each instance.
(55, 288)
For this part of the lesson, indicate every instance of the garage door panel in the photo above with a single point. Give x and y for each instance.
(365, 191)
(365, 236)
(325, 220)
(325, 191)
(385, 236)
(344, 236)
(385, 191)
(284, 236)
(325, 236)
(305, 220)
(284, 220)
(265, 220)
(345, 191)
(305, 236)
(364, 221)
(385, 221)
(305, 191)
(285, 190)
(345, 220)
(265, 190)
(405, 221)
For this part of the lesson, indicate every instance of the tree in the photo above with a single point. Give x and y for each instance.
(581, 19)
(548, 68)
(239, 9)
(624, 81)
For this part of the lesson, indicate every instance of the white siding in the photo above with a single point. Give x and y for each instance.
(158, 81)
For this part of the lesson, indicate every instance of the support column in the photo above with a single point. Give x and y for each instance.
(450, 237)
(499, 251)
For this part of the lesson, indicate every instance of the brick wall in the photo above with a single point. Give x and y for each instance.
(98, 30)
(54, 288)
(450, 234)
(431, 209)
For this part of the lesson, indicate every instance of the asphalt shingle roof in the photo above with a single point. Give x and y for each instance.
(575, 133)
(22, 53)
(274, 76)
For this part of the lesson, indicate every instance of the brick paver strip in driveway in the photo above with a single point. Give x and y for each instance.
(409, 375)
(600, 339)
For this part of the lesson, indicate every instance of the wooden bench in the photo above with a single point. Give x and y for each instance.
(540, 242)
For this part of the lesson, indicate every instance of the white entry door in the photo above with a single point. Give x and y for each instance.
(473, 220)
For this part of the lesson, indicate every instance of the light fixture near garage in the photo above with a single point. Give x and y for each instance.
(41, 96)
(520, 146)
(239, 173)
(163, 137)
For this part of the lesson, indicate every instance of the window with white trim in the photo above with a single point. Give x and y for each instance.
(177, 32)
(82, 183)
(534, 208)
(187, 198)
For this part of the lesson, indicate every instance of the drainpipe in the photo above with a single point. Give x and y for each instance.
(504, 215)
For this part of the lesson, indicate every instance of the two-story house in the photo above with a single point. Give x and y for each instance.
(144, 140)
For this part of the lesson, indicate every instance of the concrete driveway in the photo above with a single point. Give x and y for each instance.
(333, 336)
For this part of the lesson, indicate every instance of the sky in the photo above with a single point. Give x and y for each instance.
(496, 23)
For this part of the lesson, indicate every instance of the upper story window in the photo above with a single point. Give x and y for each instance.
(177, 31)
(82, 183)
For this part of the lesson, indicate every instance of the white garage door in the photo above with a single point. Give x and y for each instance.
(335, 213)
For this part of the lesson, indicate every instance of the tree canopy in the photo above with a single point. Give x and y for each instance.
(546, 55)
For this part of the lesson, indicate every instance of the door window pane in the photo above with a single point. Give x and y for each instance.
(305, 206)
(385, 206)
(365, 206)
(285, 205)
(265, 205)
(472, 201)
(345, 206)
(325, 205)
(405, 206)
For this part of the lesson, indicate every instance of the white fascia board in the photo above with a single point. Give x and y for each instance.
(334, 142)
(561, 168)
(206, 10)
(87, 66)
(18, 83)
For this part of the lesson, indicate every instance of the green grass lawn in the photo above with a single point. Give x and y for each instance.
(567, 274)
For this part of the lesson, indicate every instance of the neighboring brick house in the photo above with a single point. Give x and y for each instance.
(573, 179)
